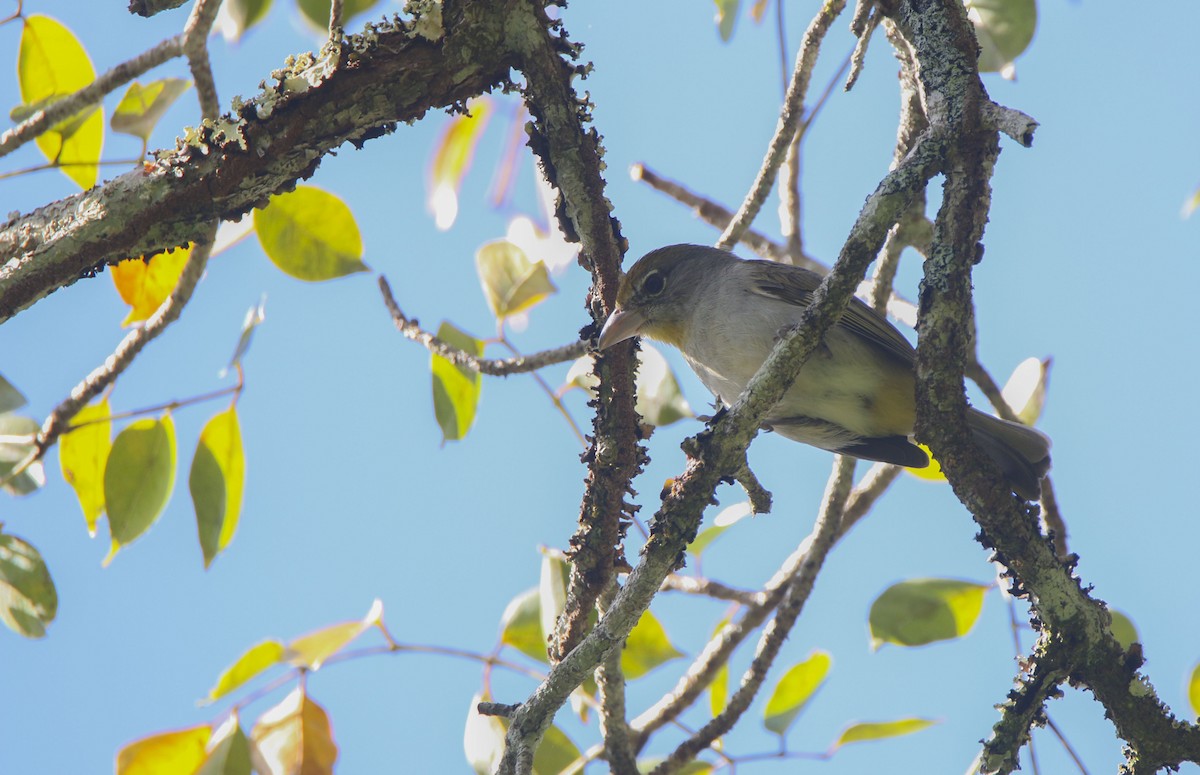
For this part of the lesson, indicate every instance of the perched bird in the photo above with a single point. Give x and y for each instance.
(855, 395)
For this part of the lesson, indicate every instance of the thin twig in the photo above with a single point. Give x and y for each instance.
(195, 48)
(551, 393)
(610, 682)
(860, 47)
(692, 585)
(335, 21)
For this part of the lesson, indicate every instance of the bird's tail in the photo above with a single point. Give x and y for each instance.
(1022, 453)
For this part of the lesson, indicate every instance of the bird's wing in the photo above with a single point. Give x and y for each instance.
(794, 285)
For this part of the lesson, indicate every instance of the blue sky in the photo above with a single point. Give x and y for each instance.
(350, 495)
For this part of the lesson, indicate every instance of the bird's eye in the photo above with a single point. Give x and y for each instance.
(654, 283)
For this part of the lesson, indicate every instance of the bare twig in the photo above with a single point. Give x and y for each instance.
(708, 588)
(610, 683)
(195, 48)
(864, 30)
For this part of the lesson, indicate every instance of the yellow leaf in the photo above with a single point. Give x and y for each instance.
(313, 649)
(145, 284)
(310, 234)
(452, 158)
(82, 452)
(295, 738)
(52, 64)
(216, 479)
(255, 660)
(181, 752)
(142, 106)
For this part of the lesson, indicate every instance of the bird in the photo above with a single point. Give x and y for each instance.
(856, 394)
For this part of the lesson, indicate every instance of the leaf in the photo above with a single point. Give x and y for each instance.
(254, 318)
(1004, 28)
(256, 659)
(52, 64)
(15, 453)
(310, 234)
(180, 751)
(452, 158)
(455, 388)
(694, 767)
(931, 472)
(728, 517)
(82, 453)
(521, 625)
(920, 611)
(1194, 690)
(138, 478)
(316, 12)
(144, 284)
(511, 282)
(727, 11)
(794, 690)
(857, 733)
(552, 591)
(216, 480)
(718, 690)
(1191, 204)
(647, 647)
(1123, 629)
(28, 600)
(238, 16)
(311, 650)
(10, 397)
(1025, 390)
(483, 739)
(294, 738)
(659, 399)
(228, 750)
(555, 754)
(142, 106)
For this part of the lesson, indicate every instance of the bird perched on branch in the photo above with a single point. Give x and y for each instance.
(856, 393)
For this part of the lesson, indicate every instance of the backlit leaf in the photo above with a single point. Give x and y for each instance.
(216, 481)
(727, 518)
(1025, 390)
(313, 649)
(920, 611)
(82, 452)
(647, 647)
(552, 590)
(1123, 629)
(718, 690)
(1004, 28)
(659, 399)
(727, 11)
(295, 738)
(255, 660)
(452, 158)
(483, 739)
(238, 16)
(310, 234)
(138, 478)
(17, 451)
(228, 750)
(555, 754)
(52, 64)
(145, 284)
(254, 318)
(857, 733)
(511, 282)
(521, 625)
(795, 688)
(10, 397)
(316, 12)
(455, 388)
(142, 106)
(28, 600)
(180, 751)
(1194, 690)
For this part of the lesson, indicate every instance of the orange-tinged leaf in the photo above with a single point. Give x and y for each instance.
(313, 649)
(256, 659)
(452, 158)
(216, 480)
(145, 284)
(51, 64)
(294, 738)
(181, 751)
(82, 453)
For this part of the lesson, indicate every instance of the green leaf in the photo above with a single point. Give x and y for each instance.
(659, 400)
(521, 625)
(310, 234)
(727, 11)
(82, 453)
(511, 282)
(313, 649)
(52, 64)
(228, 750)
(1004, 28)
(254, 318)
(10, 397)
(238, 16)
(216, 481)
(256, 659)
(138, 478)
(552, 591)
(857, 733)
(15, 453)
(142, 106)
(555, 754)
(28, 600)
(794, 690)
(455, 388)
(452, 158)
(1025, 390)
(1123, 629)
(178, 751)
(316, 12)
(728, 517)
(1194, 690)
(718, 690)
(920, 611)
(647, 647)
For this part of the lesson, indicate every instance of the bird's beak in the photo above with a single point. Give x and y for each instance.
(622, 324)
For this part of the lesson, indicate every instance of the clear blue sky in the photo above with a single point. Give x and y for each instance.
(349, 496)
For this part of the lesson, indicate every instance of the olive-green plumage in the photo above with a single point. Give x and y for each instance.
(855, 395)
